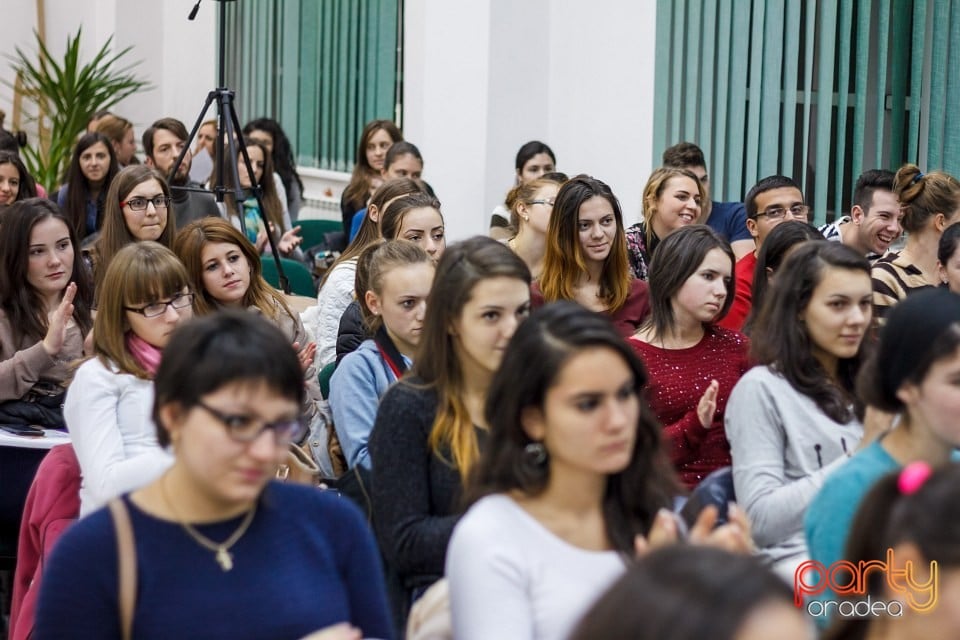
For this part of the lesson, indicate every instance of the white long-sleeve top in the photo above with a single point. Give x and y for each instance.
(332, 300)
(511, 577)
(108, 417)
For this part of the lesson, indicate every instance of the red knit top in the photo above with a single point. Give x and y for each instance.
(678, 378)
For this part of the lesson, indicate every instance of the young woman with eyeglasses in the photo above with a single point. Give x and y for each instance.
(220, 550)
(534, 160)
(531, 205)
(145, 294)
(138, 208)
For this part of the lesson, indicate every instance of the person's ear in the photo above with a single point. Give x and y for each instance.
(942, 272)
(373, 302)
(939, 222)
(908, 393)
(752, 227)
(533, 423)
(172, 416)
(373, 213)
(857, 214)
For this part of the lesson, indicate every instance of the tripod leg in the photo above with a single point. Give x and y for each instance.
(190, 138)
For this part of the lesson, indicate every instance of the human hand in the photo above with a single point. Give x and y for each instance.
(663, 532)
(306, 354)
(59, 318)
(734, 536)
(342, 631)
(290, 240)
(707, 407)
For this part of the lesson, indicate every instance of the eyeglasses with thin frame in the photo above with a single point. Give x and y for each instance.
(154, 309)
(140, 204)
(242, 428)
(547, 201)
(797, 211)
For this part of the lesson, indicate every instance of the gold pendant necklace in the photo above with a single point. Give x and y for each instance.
(221, 550)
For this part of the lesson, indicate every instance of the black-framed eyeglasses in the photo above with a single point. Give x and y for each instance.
(546, 201)
(140, 204)
(154, 309)
(242, 428)
(797, 211)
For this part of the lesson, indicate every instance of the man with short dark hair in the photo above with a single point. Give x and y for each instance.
(726, 218)
(874, 220)
(162, 143)
(773, 200)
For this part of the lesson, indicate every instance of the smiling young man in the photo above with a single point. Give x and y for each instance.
(874, 220)
(771, 201)
(162, 143)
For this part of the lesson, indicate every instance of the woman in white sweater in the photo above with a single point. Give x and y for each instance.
(794, 418)
(572, 479)
(145, 295)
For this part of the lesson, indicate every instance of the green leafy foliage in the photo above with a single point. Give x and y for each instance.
(66, 92)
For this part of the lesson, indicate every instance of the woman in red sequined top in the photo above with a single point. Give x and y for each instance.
(693, 364)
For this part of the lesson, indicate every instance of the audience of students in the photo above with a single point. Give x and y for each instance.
(558, 432)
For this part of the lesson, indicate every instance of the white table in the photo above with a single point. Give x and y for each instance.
(50, 439)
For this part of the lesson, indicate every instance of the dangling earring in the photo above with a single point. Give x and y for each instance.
(535, 454)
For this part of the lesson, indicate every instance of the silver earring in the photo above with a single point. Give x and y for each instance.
(535, 454)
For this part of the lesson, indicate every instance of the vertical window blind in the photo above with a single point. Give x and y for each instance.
(321, 68)
(818, 90)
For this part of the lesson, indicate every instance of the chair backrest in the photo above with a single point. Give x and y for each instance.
(301, 282)
(315, 232)
(324, 378)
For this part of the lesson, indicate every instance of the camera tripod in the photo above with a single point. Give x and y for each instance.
(225, 148)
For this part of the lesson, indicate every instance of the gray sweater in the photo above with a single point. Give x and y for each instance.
(782, 448)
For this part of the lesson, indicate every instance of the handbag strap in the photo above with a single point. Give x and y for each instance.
(127, 565)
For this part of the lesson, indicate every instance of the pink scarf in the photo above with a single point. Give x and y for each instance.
(146, 355)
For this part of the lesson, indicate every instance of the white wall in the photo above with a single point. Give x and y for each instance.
(176, 56)
(483, 77)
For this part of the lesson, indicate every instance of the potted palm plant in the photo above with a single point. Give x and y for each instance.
(65, 92)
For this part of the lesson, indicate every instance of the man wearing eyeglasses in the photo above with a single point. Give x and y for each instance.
(162, 143)
(773, 200)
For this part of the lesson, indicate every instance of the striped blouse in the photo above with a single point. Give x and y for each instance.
(893, 280)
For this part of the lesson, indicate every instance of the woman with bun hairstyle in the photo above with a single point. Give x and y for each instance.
(793, 419)
(430, 426)
(531, 207)
(145, 295)
(45, 299)
(375, 140)
(692, 363)
(910, 375)
(930, 203)
(907, 517)
(120, 132)
(586, 258)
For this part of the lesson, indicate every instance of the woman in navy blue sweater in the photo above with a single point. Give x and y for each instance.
(221, 552)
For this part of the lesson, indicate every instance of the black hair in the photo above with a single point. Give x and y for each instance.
(676, 258)
(868, 182)
(772, 253)
(767, 184)
(550, 337)
(887, 518)
(284, 162)
(401, 148)
(948, 243)
(531, 149)
(208, 353)
(682, 155)
(782, 342)
(683, 592)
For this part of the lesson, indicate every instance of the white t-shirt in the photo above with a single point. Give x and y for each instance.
(510, 577)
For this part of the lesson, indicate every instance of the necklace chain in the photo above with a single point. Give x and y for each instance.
(222, 550)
